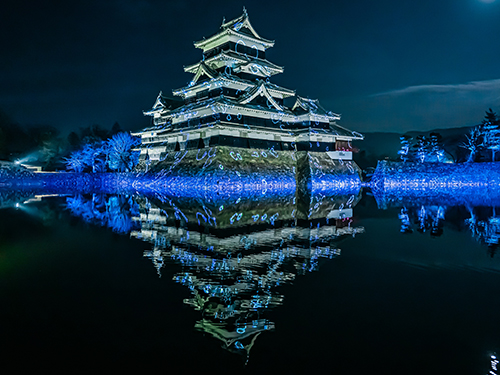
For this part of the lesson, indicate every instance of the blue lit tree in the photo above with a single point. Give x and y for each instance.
(492, 139)
(76, 162)
(474, 143)
(114, 154)
(436, 152)
(99, 157)
(404, 152)
(422, 148)
(491, 128)
(92, 158)
(121, 156)
(483, 141)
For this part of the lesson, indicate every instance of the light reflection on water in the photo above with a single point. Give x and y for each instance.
(239, 258)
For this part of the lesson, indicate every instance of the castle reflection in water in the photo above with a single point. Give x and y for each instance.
(236, 254)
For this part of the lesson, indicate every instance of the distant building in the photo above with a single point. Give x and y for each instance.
(230, 101)
(33, 168)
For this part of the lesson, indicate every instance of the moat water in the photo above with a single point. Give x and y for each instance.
(106, 283)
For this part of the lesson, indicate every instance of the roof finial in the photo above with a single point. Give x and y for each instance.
(245, 11)
(223, 20)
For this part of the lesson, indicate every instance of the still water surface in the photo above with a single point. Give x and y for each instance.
(253, 286)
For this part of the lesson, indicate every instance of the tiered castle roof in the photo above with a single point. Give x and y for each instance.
(231, 88)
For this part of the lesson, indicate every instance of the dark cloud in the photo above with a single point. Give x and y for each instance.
(426, 107)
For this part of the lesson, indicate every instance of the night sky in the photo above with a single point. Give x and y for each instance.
(384, 65)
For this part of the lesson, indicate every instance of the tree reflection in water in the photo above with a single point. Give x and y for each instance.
(425, 211)
(112, 211)
(484, 224)
(423, 219)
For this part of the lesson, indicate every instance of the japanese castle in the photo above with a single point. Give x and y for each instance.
(231, 101)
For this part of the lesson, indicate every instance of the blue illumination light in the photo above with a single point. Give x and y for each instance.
(473, 184)
(239, 345)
